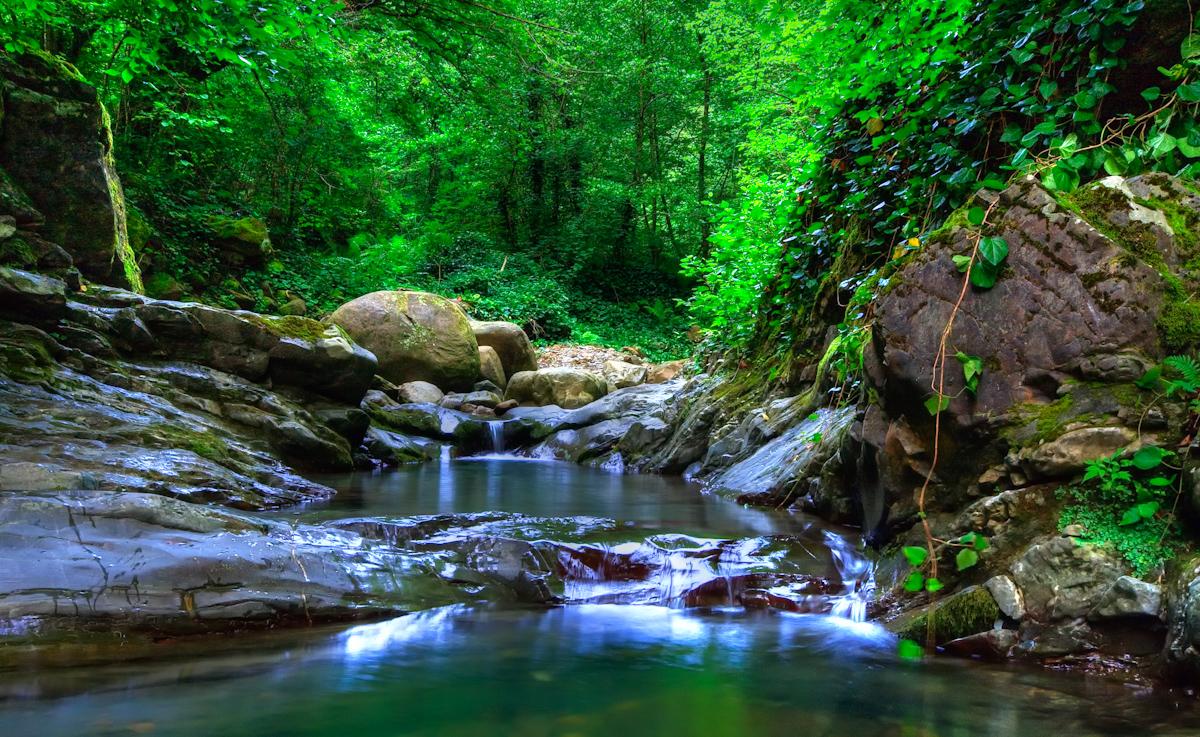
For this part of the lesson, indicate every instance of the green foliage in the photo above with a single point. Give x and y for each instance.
(1126, 502)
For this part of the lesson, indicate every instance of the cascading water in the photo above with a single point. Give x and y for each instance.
(496, 432)
(858, 575)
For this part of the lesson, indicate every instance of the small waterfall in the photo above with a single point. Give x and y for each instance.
(496, 431)
(445, 455)
(858, 575)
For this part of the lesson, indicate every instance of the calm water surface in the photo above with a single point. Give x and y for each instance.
(575, 671)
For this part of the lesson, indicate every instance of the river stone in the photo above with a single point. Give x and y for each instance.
(660, 373)
(394, 448)
(568, 388)
(490, 368)
(482, 399)
(511, 344)
(419, 392)
(1008, 597)
(428, 420)
(959, 615)
(1062, 580)
(622, 375)
(1129, 597)
(415, 336)
(56, 147)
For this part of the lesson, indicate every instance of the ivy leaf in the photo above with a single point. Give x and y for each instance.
(937, 404)
(915, 582)
(1150, 94)
(1189, 92)
(1190, 48)
(1162, 482)
(993, 249)
(933, 585)
(984, 275)
(966, 558)
(975, 216)
(916, 555)
(961, 262)
(1147, 509)
(1149, 457)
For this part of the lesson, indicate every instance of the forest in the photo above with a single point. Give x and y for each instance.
(741, 360)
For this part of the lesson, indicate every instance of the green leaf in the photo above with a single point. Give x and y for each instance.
(1131, 517)
(915, 554)
(1190, 48)
(933, 406)
(961, 262)
(1150, 94)
(975, 216)
(1189, 92)
(982, 544)
(933, 585)
(984, 275)
(1150, 379)
(993, 249)
(1149, 457)
(1147, 509)
(910, 650)
(966, 558)
(1162, 482)
(915, 582)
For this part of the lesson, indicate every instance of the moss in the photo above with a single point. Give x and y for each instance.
(26, 359)
(1184, 223)
(295, 326)
(1037, 422)
(1179, 319)
(17, 252)
(247, 229)
(967, 612)
(122, 250)
(1097, 201)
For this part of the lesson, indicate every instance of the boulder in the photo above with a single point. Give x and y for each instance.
(622, 375)
(27, 295)
(419, 392)
(482, 399)
(510, 343)
(1086, 300)
(1129, 597)
(416, 337)
(565, 387)
(490, 367)
(241, 241)
(56, 150)
(661, 373)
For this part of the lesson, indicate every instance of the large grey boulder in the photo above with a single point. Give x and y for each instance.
(415, 336)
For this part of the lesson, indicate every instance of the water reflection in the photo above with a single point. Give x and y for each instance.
(592, 670)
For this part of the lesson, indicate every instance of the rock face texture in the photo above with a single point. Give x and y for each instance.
(113, 391)
(510, 342)
(58, 181)
(416, 337)
(1088, 300)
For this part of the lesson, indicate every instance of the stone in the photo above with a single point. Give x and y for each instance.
(622, 375)
(661, 373)
(349, 422)
(961, 614)
(1063, 580)
(294, 306)
(1182, 651)
(415, 336)
(994, 644)
(8, 226)
(430, 421)
(482, 399)
(488, 386)
(25, 295)
(1129, 597)
(396, 449)
(505, 406)
(1068, 454)
(490, 367)
(241, 241)
(419, 392)
(511, 344)
(567, 388)
(1008, 597)
(56, 149)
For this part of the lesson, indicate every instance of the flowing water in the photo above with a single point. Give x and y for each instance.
(681, 651)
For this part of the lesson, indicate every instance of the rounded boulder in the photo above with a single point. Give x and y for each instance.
(415, 335)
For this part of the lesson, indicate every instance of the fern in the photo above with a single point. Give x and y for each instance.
(1188, 369)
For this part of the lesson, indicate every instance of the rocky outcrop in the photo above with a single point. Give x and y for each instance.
(567, 388)
(1088, 300)
(416, 337)
(58, 181)
(511, 344)
(110, 390)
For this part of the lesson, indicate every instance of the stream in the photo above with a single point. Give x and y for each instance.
(654, 638)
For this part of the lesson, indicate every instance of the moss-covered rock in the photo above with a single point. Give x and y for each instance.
(961, 614)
